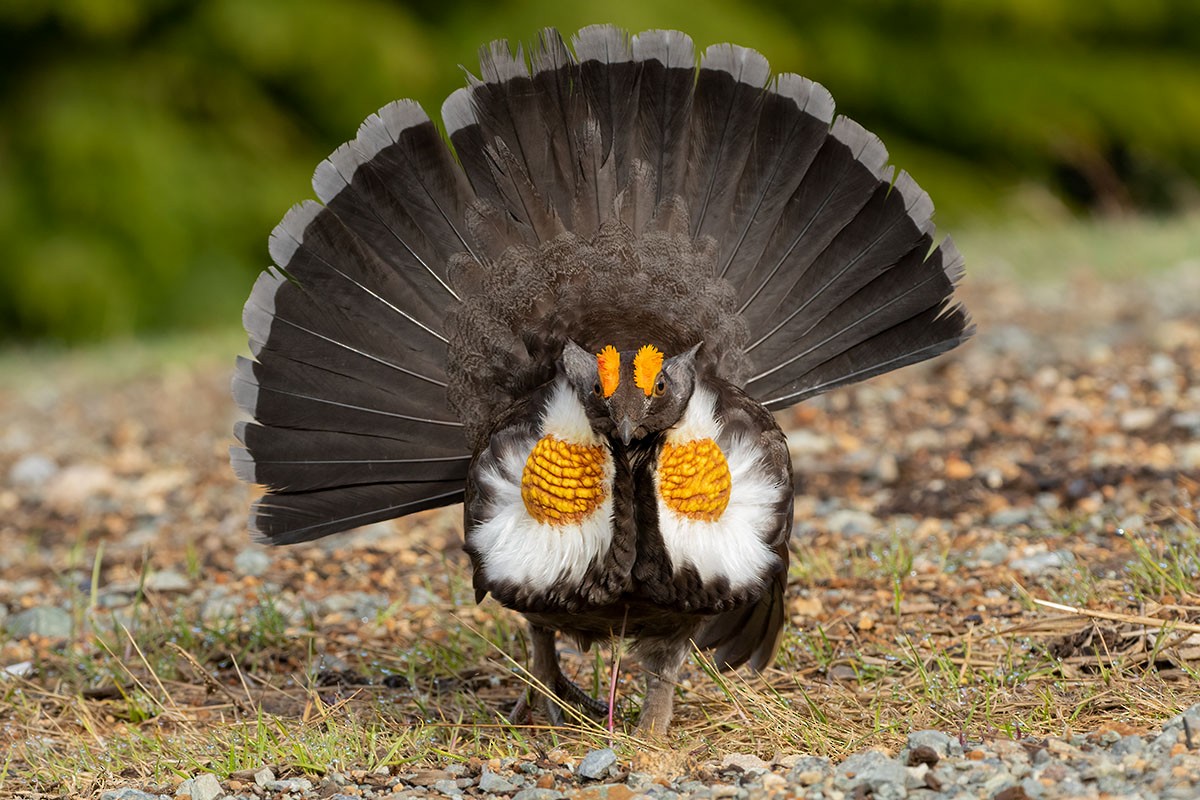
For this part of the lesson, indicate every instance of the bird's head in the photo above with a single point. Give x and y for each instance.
(631, 394)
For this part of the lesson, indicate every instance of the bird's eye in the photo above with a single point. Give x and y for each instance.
(598, 390)
(660, 387)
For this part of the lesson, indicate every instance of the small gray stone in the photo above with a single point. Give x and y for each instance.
(111, 599)
(997, 782)
(492, 783)
(1040, 563)
(536, 793)
(1033, 788)
(201, 787)
(993, 553)
(291, 785)
(1138, 419)
(916, 776)
(1127, 745)
(19, 670)
(595, 764)
(1189, 456)
(801, 442)
(448, 787)
(32, 471)
(807, 770)
(264, 777)
(168, 581)
(936, 741)
(639, 780)
(1010, 517)
(1186, 420)
(884, 776)
(252, 561)
(127, 794)
(50, 622)
(745, 762)
(848, 522)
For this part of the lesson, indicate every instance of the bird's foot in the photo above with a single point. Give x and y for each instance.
(562, 690)
(572, 692)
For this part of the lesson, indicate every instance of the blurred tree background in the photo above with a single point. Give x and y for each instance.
(147, 147)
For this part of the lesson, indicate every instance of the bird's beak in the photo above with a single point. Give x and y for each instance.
(625, 430)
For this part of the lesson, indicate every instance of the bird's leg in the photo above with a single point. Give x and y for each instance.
(551, 683)
(661, 661)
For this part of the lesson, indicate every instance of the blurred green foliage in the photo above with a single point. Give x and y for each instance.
(147, 147)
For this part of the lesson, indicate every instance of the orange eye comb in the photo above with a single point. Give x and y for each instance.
(646, 366)
(608, 366)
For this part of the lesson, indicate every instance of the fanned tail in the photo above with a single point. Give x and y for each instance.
(348, 388)
(624, 184)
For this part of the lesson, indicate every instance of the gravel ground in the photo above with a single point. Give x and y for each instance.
(1024, 463)
(932, 765)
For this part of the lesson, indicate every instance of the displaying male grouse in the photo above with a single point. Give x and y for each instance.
(578, 323)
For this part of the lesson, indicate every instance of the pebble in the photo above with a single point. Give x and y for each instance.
(803, 442)
(448, 788)
(32, 472)
(746, 762)
(252, 561)
(993, 553)
(1041, 563)
(168, 580)
(595, 765)
(1138, 419)
(1010, 517)
(938, 742)
(21, 669)
(885, 777)
(1189, 456)
(50, 622)
(492, 783)
(127, 794)
(1186, 420)
(70, 489)
(931, 766)
(537, 793)
(291, 785)
(848, 522)
(201, 787)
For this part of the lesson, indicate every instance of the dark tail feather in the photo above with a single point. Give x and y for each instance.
(792, 125)
(518, 133)
(304, 516)
(903, 316)
(665, 83)
(728, 97)
(609, 77)
(349, 383)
